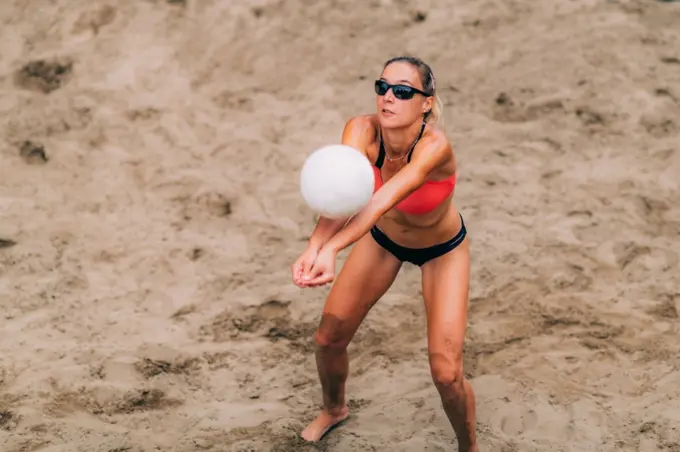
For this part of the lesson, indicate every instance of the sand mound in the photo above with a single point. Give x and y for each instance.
(150, 212)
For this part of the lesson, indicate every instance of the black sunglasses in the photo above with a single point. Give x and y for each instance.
(403, 92)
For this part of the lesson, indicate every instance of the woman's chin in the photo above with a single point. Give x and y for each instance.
(389, 120)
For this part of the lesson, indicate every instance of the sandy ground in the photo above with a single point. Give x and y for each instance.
(150, 211)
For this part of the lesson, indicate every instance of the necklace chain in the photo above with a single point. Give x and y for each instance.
(407, 153)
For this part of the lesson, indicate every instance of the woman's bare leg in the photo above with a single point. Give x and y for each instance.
(367, 274)
(445, 290)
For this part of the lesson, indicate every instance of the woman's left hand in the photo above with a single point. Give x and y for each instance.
(323, 270)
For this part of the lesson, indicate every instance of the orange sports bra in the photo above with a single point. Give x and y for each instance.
(424, 199)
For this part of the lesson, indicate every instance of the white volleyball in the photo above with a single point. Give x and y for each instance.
(336, 181)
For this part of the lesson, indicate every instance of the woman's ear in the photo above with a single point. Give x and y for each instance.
(427, 105)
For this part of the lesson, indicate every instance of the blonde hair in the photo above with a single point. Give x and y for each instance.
(434, 116)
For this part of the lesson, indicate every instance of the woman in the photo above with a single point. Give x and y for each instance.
(410, 218)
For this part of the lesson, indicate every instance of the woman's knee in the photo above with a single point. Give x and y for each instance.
(332, 333)
(447, 370)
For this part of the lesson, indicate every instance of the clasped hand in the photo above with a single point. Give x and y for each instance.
(314, 267)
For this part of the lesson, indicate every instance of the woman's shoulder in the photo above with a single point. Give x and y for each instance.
(363, 123)
(436, 140)
(361, 132)
(435, 149)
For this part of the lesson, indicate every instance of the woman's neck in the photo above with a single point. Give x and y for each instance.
(398, 142)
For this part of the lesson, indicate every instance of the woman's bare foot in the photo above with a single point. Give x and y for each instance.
(323, 423)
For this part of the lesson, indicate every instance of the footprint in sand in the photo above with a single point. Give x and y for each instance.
(33, 153)
(7, 243)
(519, 422)
(513, 109)
(9, 420)
(635, 259)
(44, 76)
(94, 20)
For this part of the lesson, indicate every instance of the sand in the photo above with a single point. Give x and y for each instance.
(150, 210)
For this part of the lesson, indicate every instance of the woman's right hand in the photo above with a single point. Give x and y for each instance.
(303, 265)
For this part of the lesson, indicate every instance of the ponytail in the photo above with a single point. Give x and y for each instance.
(434, 116)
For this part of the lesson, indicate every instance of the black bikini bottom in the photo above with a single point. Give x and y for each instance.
(418, 256)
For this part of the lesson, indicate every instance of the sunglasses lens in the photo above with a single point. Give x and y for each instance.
(381, 88)
(403, 92)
